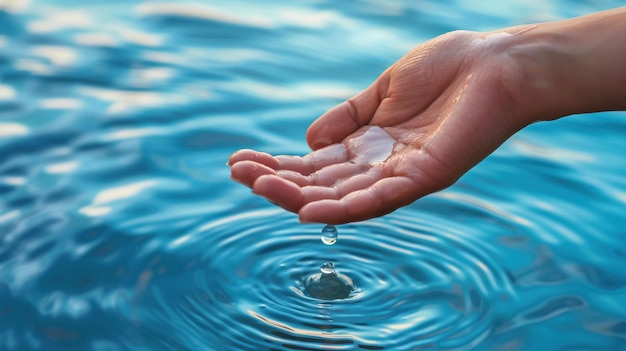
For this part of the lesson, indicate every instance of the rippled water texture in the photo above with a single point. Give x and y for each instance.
(120, 228)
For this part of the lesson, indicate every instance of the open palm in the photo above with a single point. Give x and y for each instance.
(422, 124)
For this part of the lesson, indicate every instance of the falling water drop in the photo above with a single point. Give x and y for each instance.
(328, 284)
(329, 234)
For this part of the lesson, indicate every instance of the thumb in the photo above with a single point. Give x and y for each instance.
(344, 119)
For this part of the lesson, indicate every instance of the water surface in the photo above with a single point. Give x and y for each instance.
(120, 228)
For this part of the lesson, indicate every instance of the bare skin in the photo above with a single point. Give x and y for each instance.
(437, 112)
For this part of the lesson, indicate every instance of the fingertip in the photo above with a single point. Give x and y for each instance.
(282, 192)
(315, 137)
(304, 220)
(247, 172)
(332, 127)
(237, 156)
(255, 156)
(345, 118)
(323, 211)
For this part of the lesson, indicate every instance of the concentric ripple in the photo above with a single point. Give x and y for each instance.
(417, 285)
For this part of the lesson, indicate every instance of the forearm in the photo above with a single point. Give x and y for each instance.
(571, 66)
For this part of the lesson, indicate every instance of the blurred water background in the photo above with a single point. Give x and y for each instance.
(120, 228)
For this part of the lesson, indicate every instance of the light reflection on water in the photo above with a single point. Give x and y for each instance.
(120, 228)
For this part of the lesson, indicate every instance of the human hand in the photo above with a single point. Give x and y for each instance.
(422, 124)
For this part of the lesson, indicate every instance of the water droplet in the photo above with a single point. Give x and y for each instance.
(329, 284)
(328, 268)
(329, 234)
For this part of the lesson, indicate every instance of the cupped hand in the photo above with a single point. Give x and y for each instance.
(422, 124)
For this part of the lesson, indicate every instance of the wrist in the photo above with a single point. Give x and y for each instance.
(568, 67)
(543, 65)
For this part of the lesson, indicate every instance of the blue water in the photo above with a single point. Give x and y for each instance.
(120, 228)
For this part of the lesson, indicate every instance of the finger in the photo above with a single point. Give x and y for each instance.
(280, 191)
(315, 160)
(256, 156)
(327, 176)
(294, 177)
(317, 193)
(358, 182)
(330, 175)
(379, 199)
(345, 118)
(246, 172)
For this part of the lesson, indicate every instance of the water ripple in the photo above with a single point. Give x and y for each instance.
(417, 284)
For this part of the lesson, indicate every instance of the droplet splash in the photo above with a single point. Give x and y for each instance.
(329, 284)
(329, 234)
(328, 268)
